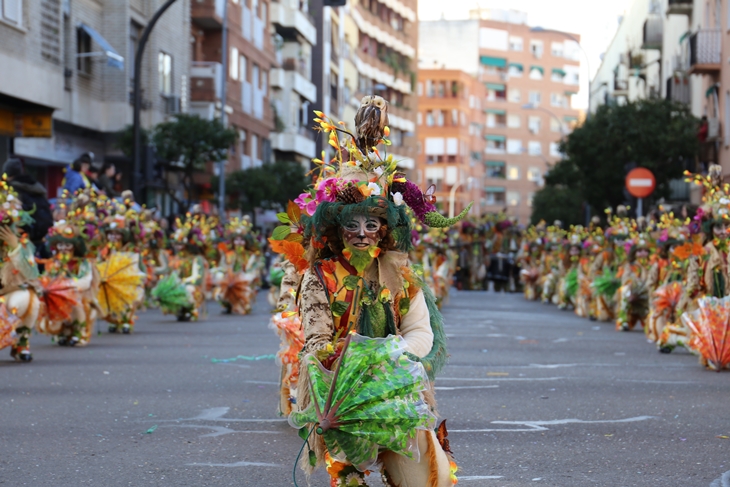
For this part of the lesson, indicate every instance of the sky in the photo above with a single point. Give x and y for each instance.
(595, 21)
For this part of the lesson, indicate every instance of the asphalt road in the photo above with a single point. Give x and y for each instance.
(533, 396)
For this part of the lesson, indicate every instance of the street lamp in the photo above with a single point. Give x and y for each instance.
(588, 62)
(532, 106)
(452, 194)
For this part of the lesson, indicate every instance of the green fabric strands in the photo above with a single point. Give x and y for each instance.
(571, 283)
(255, 358)
(437, 357)
(607, 284)
(171, 294)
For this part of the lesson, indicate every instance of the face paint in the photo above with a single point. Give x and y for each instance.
(362, 232)
(720, 230)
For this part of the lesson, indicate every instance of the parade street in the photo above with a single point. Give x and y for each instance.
(533, 396)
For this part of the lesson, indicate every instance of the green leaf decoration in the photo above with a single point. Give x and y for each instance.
(339, 308)
(404, 305)
(312, 458)
(284, 218)
(359, 259)
(303, 433)
(281, 232)
(351, 282)
(437, 220)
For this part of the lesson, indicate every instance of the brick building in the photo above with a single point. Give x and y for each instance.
(71, 65)
(451, 135)
(529, 77)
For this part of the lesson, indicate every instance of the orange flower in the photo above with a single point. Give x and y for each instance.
(689, 249)
(293, 251)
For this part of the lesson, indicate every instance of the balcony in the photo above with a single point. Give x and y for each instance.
(283, 78)
(678, 89)
(679, 7)
(206, 80)
(653, 33)
(207, 14)
(290, 21)
(293, 142)
(705, 52)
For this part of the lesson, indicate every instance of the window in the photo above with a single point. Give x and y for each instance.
(514, 146)
(515, 70)
(530, 197)
(536, 72)
(420, 89)
(534, 148)
(516, 44)
(536, 48)
(243, 68)
(494, 197)
(534, 174)
(495, 145)
(558, 75)
(83, 50)
(514, 95)
(135, 31)
(513, 198)
(164, 69)
(513, 121)
(495, 169)
(534, 124)
(419, 118)
(454, 117)
(12, 11)
(264, 82)
(255, 150)
(440, 118)
(557, 49)
(555, 149)
(555, 125)
(535, 98)
(557, 100)
(233, 68)
(429, 89)
(513, 173)
(245, 158)
(429, 118)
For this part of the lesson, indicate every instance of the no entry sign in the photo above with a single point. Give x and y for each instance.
(640, 182)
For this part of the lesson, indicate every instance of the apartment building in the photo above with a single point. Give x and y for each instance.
(530, 77)
(451, 129)
(241, 85)
(67, 76)
(369, 47)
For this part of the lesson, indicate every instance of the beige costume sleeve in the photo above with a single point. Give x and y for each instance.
(416, 327)
(289, 286)
(314, 309)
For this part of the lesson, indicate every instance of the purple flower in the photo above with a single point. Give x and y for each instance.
(306, 203)
(327, 190)
(665, 236)
(413, 196)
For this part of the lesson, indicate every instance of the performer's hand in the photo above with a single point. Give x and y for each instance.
(8, 236)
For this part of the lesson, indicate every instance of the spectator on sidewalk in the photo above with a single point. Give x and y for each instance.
(76, 178)
(106, 180)
(93, 175)
(34, 198)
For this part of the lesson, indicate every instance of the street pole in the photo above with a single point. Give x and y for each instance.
(137, 152)
(224, 117)
(452, 195)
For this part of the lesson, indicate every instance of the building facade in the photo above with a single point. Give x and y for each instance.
(530, 77)
(67, 76)
(451, 123)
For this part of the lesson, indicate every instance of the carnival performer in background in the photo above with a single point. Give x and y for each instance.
(570, 264)
(236, 275)
(633, 295)
(20, 305)
(155, 257)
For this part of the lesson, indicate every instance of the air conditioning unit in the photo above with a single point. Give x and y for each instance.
(172, 105)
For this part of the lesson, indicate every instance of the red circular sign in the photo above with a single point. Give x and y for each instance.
(640, 182)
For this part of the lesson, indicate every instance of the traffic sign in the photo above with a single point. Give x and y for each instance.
(640, 182)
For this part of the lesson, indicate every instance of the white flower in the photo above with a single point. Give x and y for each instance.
(6, 206)
(113, 225)
(375, 189)
(379, 171)
(11, 197)
(723, 201)
(397, 198)
(14, 213)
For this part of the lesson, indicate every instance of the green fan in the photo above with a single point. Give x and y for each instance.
(607, 284)
(371, 401)
(171, 294)
(571, 283)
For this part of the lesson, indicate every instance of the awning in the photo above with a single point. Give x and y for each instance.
(496, 138)
(569, 118)
(710, 91)
(571, 93)
(539, 68)
(497, 62)
(558, 71)
(494, 163)
(516, 66)
(113, 58)
(495, 86)
(494, 189)
(496, 111)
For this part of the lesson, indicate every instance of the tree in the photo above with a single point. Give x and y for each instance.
(267, 187)
(190, 142)
(559, 200)
(125, 139)
(659, 135)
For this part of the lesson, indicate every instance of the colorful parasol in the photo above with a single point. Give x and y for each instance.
(371, 401)
(8, 322)
(60, 295)
(121, 283)
(170, 292)
(710, 325)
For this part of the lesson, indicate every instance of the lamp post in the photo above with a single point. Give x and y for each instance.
(588, 62)
(452, 195)
(532, 106)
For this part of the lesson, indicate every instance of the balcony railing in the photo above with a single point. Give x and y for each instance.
(653, 32)
(678, 89)
(206, 81)
(705, 51)
(208, 13)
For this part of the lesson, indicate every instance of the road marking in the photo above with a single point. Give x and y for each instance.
(723, 481)
(265, 382)
(440, 388)
(478, 477)
(216, 414)
(541, 425)
(657, 381)
(218, 430)
(237, 464)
